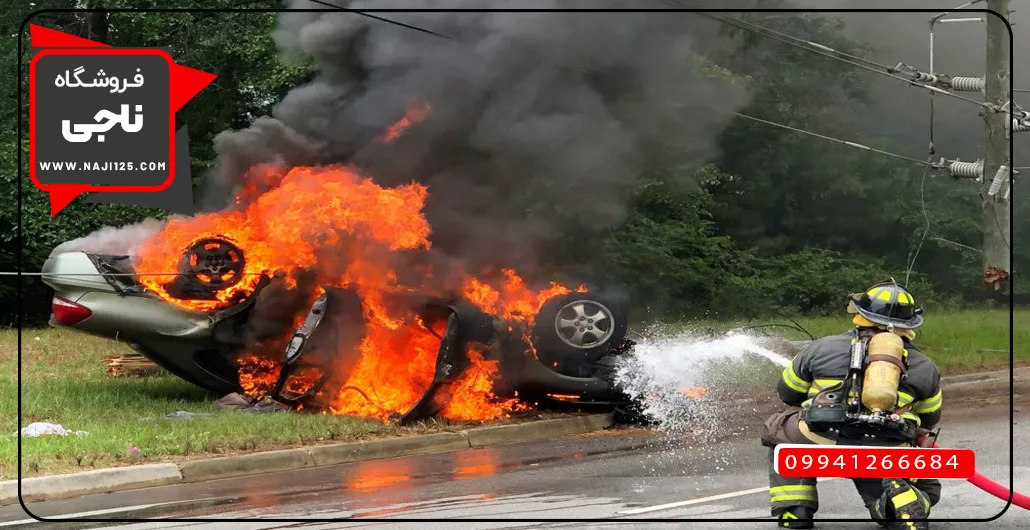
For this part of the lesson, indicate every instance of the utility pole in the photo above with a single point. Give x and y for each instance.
(996, 205)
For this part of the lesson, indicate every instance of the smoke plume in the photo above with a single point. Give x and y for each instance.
(536, 119)
(117, 241)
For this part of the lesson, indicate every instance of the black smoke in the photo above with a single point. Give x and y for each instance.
(537, 120)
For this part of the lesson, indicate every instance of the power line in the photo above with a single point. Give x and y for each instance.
(788, 127)
(926, 230)
(760, 120)
(383, 19)
(800, 41)
(818, 48)
(960, 245)
(927, 164)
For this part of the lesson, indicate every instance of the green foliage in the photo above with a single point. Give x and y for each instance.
(238, 47)
(779, 222)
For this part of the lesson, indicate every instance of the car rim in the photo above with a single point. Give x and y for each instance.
(214, 263)
(584, 324)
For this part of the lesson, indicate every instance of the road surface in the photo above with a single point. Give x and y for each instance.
(626, 477)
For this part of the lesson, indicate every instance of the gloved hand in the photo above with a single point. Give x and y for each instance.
(926, 438)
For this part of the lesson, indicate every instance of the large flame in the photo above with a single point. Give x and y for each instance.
(349, 231)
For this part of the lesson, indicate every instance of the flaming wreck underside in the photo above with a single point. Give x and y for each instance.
(397, 355)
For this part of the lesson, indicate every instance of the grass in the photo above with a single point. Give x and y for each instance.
(961, 342)
(65, 381)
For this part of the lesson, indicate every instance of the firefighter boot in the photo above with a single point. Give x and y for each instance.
(795, 516)
(900, 500)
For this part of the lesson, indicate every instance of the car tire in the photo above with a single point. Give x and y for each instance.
(577, 327)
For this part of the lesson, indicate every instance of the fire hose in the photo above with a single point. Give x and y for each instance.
(996, 489)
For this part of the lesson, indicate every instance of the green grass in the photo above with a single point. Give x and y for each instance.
(958, 342)
(65, 381)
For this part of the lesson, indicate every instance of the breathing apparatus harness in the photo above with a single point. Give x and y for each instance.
(843, 408)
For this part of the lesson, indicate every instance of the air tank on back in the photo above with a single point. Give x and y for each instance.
(880, 385)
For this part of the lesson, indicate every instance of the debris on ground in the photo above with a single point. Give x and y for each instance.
(41, 428)
(266, 405)
(131, 365)
(182, 414)
(234, 401)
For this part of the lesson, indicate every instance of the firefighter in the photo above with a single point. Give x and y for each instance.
(823, 365)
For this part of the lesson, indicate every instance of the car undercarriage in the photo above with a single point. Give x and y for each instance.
(563, 355)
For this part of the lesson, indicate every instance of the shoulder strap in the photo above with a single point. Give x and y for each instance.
(888, 359)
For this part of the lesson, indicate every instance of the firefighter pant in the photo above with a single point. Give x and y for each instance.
(786, 492)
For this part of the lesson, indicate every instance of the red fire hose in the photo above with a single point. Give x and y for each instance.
(996, 489)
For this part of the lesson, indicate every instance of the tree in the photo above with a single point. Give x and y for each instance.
(237, 46)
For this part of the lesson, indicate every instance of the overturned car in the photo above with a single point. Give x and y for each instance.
(400, 354)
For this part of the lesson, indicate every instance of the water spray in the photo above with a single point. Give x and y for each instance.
(977, 479)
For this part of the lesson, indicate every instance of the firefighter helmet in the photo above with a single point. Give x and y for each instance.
(889, 304)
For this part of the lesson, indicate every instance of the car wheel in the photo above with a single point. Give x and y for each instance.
(212, 264)
(577, 327)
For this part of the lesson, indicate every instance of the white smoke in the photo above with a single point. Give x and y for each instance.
(114, 240)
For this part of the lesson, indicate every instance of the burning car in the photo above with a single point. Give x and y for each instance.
(243, 301)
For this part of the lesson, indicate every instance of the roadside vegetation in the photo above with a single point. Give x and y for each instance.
(773, 220)
(65, 382)
(959, 342)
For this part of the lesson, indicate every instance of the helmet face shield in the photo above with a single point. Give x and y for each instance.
(888, 304)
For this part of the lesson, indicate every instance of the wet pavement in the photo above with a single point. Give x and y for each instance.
(627, 477)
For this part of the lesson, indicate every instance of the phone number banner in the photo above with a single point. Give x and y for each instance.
(847, 461)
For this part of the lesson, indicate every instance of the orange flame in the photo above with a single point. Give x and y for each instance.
(283, 228)
(257, 375)
(695, 391)
(414, 115)
(348, 231)
(472, 397)
(513, 301)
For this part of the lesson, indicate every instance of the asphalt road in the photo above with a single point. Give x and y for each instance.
(627, 477)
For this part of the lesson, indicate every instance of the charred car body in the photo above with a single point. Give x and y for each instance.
(567, 355)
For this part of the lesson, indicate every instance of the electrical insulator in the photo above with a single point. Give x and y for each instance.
(969, 170)
(968, 84)
(1020, 125)
(999, 178)
(923, 77)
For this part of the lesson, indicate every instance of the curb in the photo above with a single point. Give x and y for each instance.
(95, 481)
(135, 477)
(1019, 375)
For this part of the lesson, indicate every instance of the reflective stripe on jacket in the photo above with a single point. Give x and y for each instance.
(824, 363)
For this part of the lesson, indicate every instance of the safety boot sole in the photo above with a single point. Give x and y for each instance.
(907, 505)
(794, 518)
